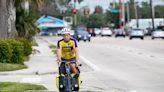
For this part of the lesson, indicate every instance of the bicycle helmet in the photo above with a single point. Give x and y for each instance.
(65, 31)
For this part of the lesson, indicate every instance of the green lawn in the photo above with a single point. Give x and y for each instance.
(11, 67)
(53, 46)
(54, 51)
(19, 87)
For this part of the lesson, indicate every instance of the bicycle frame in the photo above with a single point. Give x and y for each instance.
(68, 78)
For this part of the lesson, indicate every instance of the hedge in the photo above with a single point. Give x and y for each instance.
(14, 50)
(5, 52)
(27, 46)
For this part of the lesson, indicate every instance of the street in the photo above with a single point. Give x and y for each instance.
(123, 65)
(109, 65)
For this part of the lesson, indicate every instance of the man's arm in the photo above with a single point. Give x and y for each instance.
(59, 54)
(76, 54)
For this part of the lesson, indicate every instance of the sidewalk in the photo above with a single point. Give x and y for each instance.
(42, 68)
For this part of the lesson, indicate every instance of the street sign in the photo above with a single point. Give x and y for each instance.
(115, 11)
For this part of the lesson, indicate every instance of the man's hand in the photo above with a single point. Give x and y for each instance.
(78, 63)
(58, 61)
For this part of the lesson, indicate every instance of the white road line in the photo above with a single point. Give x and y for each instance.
(93, 66)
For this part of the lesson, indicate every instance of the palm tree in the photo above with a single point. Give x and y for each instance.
(25, 22)
(8, 15)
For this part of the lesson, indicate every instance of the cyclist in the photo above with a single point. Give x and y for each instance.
(67, 51)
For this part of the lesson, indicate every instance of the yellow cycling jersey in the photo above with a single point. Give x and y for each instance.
(67, 49)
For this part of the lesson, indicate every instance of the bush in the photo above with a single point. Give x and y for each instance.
(18, 51)
(14, 50)
(5, 52)
(53, 46)
(27, 46)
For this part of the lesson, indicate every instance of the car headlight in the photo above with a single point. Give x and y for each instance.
(79, 36)
(89, 35)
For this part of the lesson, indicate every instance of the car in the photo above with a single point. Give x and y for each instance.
(157, 34)
(136, 33)
(97, 31)
(46, 33)
(72, 32)
(91, 31)
(120, 32)
(82, 35)
(106, 32)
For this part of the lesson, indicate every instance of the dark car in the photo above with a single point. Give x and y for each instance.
(82, 35)
(120, 32)
(91, 31)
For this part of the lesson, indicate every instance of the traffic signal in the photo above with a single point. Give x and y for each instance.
(74, 11)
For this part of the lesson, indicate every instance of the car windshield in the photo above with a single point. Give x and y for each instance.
(137, 29)
(82, 32)
(158, 30)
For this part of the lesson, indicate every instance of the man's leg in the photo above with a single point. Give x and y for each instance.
(74, 69)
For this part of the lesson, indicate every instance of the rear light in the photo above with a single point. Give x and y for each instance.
(115, 33)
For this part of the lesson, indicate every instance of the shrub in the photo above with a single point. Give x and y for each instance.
(5, 52)
(52, 46)
(27, 46)
(17, 51)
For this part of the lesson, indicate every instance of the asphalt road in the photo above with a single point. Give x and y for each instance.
(112, 65)
(123, 65)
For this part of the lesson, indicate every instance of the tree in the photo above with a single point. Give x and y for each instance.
(159, 11)
(98, 9)
(131, 9)
(96, 21)
(145, 10)
(7, 18)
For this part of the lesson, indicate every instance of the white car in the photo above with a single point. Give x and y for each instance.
(158, 34)
(106, 32)
(136, 33)
(72, 32)
(97, 31)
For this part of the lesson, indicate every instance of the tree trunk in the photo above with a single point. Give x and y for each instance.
(7, 18)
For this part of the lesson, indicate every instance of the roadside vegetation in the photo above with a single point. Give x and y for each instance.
(54, 48)
(13, 53)
(19, 87)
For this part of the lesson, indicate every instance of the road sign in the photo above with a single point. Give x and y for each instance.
(115, 11)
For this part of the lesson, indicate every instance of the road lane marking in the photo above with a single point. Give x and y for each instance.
(93, 66)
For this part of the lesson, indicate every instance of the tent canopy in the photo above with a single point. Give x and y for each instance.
(50, 22)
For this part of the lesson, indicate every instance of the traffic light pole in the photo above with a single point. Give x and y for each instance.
(75, 15)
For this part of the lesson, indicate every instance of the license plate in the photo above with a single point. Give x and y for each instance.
(85, 37)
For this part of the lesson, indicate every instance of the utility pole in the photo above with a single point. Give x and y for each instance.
(136, 14)
(121, 14)
(128, 13)
(152, 14)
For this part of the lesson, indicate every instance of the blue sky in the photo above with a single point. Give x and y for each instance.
(105, 3)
